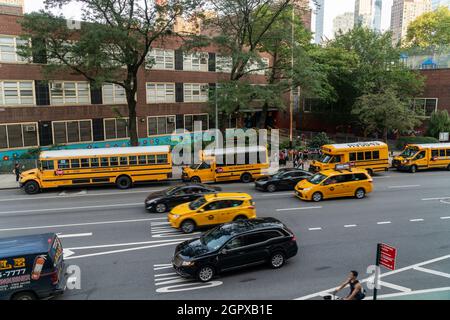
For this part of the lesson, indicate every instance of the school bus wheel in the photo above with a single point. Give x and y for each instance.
(31, 187)
(413, 169)
(123, 182)
(246, 178)
(196, 180)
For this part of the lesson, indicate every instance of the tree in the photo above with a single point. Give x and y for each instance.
(110, 47)
(319, 140)
(439, 122)
(383, 112)
(430, 30)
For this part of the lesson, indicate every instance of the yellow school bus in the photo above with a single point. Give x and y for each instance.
(230, 164)
(423, 156)
(372, 156)
(84, 167)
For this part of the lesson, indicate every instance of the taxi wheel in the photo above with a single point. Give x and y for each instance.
(271, 188)
(448, 167)
(188, 226)
(161, 208)
(196, 180)
(317, 197)
(123, 182)
(240, 218)
(31, 187)
(246, 178)
(413, 169)
(360, 193)
(205, 274)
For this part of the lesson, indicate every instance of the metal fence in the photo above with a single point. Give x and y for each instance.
(25, 164)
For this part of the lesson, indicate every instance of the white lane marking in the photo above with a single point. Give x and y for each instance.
(165, 274)
(384, 222)
(81, 224)
(302, 208)
(126, 244)
(79, 195)
(173, 280)
(75, 235)
(445, 218)
(350, 226)
(67, 253)
(416, 220)
(444, 201)
(277, 194)
(165, 279)
(162, 267)
(432, 199)
(309, 296)
(392, 295)
(394, 286)
(315, 229)
(124, 250)
(76, 208)
(408, 186)
(437, 273)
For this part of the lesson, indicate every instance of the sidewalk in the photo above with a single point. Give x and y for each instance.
(8, 181)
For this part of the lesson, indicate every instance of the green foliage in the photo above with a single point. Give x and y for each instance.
(320, 140)
(430, 30)
(439, 122)
(403, 141)
(384, 112)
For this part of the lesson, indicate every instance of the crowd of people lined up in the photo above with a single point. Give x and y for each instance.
(299, 158)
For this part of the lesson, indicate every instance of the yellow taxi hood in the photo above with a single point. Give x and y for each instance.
(181, 209)
(304, 184)
(400, 158)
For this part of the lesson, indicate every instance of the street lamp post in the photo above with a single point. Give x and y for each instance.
(291, 106)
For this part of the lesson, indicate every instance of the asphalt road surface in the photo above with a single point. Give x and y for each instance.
(125, 253)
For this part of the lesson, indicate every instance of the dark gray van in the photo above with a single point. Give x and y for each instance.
(31, 267)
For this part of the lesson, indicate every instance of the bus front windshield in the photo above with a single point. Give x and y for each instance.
(317, 178)
(325, 158)
(409, 152)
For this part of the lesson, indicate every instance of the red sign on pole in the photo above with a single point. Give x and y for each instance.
(387, 255)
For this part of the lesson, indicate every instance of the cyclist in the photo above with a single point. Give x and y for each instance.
(356, 289)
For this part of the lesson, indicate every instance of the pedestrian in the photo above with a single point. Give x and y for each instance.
(16, 171)
(356, 289)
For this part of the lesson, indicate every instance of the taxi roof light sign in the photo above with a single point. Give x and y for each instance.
(343, 166)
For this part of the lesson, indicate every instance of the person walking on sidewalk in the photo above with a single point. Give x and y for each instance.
(16, 171)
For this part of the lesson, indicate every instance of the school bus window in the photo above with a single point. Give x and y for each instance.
(63, 164)
(376, 155)
(151, 159)
(85, 163)
(442, 153)
(133, 160)
(104, 162)
(48, 165)
(360, 156)
(448, 152)
(142, 160)
(94, 163)
(161, 158)
(368, 155)
(434, 153)
(123, 161)
(352, 156)
(114, 161)
(75, 163)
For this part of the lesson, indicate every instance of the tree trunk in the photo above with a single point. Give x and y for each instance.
(385, 134)
(132, 123)
(263, 119)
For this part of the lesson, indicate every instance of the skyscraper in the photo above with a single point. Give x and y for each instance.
(364, 13)
(378, 7)
(320, 15)
(343, 22)
(403, 13)
(437, 3)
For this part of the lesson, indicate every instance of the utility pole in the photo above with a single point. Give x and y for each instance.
(291, 106)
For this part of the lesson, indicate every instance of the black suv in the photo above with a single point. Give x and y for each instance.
(284, 179)
(235, 245)
(165, 200)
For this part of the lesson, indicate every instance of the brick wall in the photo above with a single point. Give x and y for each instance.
(437, 85)
(10, 10)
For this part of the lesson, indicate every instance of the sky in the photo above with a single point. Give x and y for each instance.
(335, 8)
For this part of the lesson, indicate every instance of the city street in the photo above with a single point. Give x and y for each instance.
(125, 252)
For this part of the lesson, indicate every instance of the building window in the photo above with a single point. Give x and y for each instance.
(161, 125)
(224, 64)
(160, 92)
(190, 119)
(72, 131)
(9, 49)
(116, 128)
(196, 61)
(161, 59)
(69, 93)
(426, 106)
(16, 93)
(258, 67)
(196, 92)
(18, 135)
(113, 94)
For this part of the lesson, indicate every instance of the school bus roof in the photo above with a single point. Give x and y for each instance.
(430, 145)
(98, 152)
(219, 152)
(354, 146)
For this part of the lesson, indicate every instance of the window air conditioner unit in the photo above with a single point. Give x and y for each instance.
(204, 87)
(171, 119)
(30, 128)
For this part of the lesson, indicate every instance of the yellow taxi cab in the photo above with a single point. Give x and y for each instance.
(343, 181)
(212, 209)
